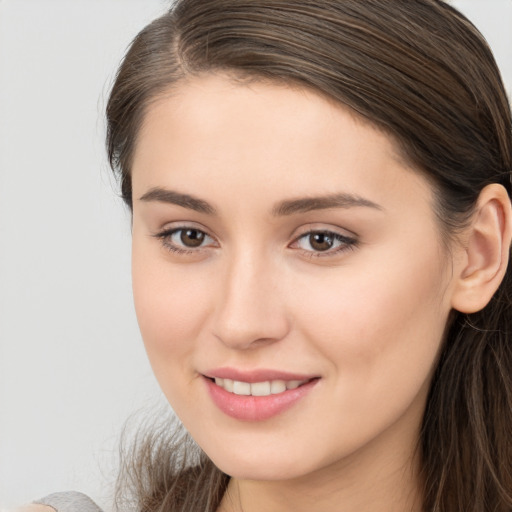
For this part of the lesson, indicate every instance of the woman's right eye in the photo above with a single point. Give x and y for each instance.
(184, 240)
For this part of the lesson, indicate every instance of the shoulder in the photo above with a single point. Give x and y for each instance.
(64, 502)
(33, 507)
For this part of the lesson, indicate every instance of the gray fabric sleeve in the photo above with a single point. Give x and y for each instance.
(69, 502)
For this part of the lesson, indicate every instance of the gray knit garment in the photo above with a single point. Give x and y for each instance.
(69, 502)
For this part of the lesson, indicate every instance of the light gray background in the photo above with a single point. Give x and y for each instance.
(72, 366)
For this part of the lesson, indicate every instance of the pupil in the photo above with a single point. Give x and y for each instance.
(192, 237)
(320, 241)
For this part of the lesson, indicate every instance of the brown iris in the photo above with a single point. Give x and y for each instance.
(321, 241)
(192, 237)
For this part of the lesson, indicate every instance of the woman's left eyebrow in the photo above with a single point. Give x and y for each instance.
(307, 204)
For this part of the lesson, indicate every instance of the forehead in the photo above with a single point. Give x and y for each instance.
(261, 137)
(197, 91)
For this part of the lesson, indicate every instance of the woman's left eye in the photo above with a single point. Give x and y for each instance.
(320, 243)
(184, 240)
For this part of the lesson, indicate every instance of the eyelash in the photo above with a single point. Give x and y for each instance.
(346, 243)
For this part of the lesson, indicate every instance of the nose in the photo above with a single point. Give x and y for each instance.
(250, 311)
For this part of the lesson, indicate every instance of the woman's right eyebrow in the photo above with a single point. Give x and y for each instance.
(164, 195)
(283, 208)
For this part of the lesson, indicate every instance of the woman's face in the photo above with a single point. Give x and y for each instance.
(279, 241)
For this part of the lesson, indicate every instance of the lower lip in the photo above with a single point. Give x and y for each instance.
(256, 408)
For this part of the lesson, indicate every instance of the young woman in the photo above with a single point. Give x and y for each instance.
(321, 232)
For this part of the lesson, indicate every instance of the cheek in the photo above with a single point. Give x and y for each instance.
(171, 307)
(380, 327)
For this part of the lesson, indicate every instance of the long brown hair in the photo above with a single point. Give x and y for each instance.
(421, 72)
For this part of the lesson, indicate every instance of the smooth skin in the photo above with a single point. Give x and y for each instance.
(233, 280)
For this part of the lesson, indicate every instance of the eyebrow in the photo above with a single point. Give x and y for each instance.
(163, 195)
(284, 208)
(307, 204)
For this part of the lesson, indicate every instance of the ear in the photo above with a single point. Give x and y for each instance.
(486, 251)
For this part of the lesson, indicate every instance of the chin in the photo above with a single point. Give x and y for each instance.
(262, 467)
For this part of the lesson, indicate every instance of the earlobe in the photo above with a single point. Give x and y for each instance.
(487, 251)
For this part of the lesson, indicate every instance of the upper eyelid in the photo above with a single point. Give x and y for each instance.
(184, 224)
(312, 228)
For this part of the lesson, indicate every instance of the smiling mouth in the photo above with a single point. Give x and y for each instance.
(265, 388)
(257, 400)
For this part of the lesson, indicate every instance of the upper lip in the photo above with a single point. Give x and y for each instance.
(256, 375)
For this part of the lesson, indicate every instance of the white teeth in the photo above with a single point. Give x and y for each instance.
(277, 386)
(265, 388)
(260, 388)
(241, 388)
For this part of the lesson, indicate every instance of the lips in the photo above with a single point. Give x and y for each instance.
(256, 395)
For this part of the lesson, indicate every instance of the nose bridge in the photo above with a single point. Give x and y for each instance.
(249, 310)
